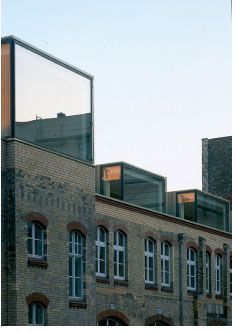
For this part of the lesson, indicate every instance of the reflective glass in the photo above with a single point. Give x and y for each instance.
(39, 314)
(102, 253)
(30, 251)
(5, 90)
(186, 206)
(53, 105)
(212, 212)
(143, 189)
(31, 314)
(111, 181)
(121, 270)
(102, 234)
(38, 247)
(151, 247)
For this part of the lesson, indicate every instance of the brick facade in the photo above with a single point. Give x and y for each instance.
(59, 192)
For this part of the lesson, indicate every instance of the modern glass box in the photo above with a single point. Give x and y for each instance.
(46, 101)
(203, 208)
(132, 184)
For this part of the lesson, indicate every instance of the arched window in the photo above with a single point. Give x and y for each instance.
(76, 264)
(149, 261)
(101, 252)
(208, 272)
(191, 269)
(119, 255)
(218, 274)
(36, 313)
(36, 239)
(165, 264)
(110, 321)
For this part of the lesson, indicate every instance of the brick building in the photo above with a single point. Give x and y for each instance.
(71, 256)
(217, 166)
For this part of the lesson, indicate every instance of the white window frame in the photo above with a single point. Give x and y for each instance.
(165, 259)
(77, 255)
(34, 305)
(117, 249)
(189, 264)
(33, 239)
(101, 244)
(208, 273)
(149, 254)
(218, 262)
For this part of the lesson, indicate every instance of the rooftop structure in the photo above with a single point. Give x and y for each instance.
(131, 184)
(200, 207)
(46, 101)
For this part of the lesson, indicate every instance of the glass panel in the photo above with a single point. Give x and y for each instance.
(5, 91)
(192, 255)
(193, 282)
(111, 181)
(151, 262)
(70, 266)
(186, 206)
(151, 275)
(102, 267)
(30, 229)
(121, 239)
(102, 235)
(212, 212)
(192, 270)
(143, 188)
(102, 322)
(38, 247)
(38, 232)
(167, 266)
(78, 262)
(31, 313)
(162, 248)
(53, 105)
(167, 249)
(70, 287)
(30, 252)
(39, 314)
(121, 270)
(167, 278)
(121, 257)
(151, 246)
(102, 253)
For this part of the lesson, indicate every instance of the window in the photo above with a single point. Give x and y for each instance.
(218, 274)
(76, 264)
(230, 275)
(119, 255)
(36, 240)
(101, 252)
(36, 313)
(149, 261)
(110, 321)
(208, 273)
(165, 264)
(191, 269)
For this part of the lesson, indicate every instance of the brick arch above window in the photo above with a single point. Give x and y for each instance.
(35, 216)
(162, 318)
(193, 245)
(219, 251)
(76, 225)
(113, 313)
(103, 224)
(208, 250)
(152, 235)
(168, 239)
(120, 228)
(37, 297)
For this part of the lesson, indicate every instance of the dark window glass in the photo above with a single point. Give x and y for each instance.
(111, 181)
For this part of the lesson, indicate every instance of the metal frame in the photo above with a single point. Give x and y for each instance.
(12, 40)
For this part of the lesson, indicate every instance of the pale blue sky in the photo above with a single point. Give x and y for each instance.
(162, 73)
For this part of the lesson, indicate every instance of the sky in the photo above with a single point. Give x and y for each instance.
(162, 73)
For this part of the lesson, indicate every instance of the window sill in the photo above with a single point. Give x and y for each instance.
(38, 262)
(79, 304)
(151, 287)
(102, 280)
(121, 282)
(167, 289)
